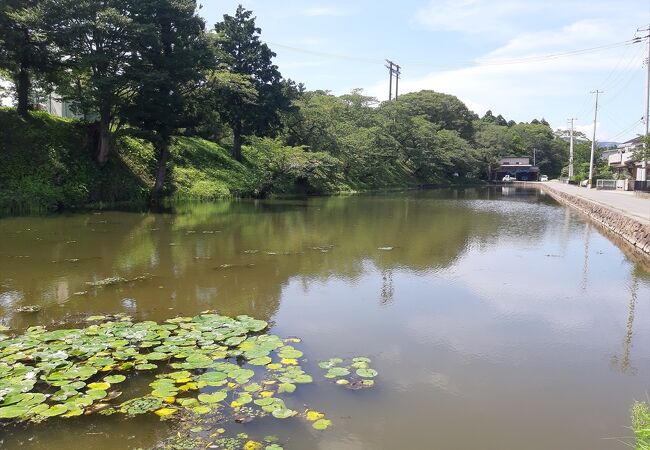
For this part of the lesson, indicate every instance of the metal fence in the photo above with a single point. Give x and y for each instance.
(642, 186)
(609, 185)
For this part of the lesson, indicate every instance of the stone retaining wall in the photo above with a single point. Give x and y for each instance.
(631, 230)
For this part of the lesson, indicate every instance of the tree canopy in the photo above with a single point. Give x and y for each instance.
(151, 69)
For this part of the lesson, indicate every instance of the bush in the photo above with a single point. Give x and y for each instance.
(280, 169)
(641, 425)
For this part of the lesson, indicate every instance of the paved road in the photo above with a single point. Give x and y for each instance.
(625, 202)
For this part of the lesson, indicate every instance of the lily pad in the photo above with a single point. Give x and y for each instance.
(55, 410)
(283, 413)
(367, 373)
(336, 372)
(213, 398)
(114, 379)
(12, 412)
(322, 424)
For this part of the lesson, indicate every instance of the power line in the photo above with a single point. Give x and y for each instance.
(495, 62)
(626, 130)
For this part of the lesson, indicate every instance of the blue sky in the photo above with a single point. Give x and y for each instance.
(469, 48)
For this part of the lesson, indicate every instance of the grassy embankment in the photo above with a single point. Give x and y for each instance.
(641, 425)
(46, 164)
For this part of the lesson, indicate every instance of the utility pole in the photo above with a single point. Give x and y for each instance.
(397, 77)
(571, 120)
(389, 66)
(642, 175)
(393, 70)
(593, 141)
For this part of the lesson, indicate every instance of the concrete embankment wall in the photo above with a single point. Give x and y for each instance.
(629, 229)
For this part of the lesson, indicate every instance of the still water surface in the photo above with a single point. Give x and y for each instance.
(499, 320)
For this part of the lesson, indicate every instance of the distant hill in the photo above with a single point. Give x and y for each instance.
(607, 144)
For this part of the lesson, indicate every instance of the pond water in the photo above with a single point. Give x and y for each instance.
(496, 318)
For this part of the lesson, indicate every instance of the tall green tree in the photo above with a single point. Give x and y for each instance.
(444, 110)
(243, 54)
(24, 51)
(167, 65)
(96, 39)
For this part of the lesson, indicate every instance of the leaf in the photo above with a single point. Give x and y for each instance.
(12, 412)
(114, 379)
(261, 361)
(96, 394)
(289, 352)
(283, 413)
(55, 410)
(289, 388)
(322, 424)
(252, 445)
(165, 412)
(313, 416)
(213, 398)
(336, 372)
(367, 373)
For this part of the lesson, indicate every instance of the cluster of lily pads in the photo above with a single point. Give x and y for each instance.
(202, 365)
(356, 374)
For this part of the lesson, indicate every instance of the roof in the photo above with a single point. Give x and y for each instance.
(636, 140)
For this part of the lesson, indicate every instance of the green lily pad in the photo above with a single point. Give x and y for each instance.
(322, 424)
(13, 411)
(289, 352)
(264, 401)
(114, 379)
(55, 410)
(283, 413)
(286, 387)
(336, 372)
(261, 361)
(367, 373)
(213, 398)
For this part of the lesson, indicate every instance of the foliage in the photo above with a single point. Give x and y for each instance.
(149, 80)
(168, 65)
(283, 169)
(46, 166)
(94, 39)
(201, 364)
(641, 425)
(25, 53)
(643, 152)
(251, 104)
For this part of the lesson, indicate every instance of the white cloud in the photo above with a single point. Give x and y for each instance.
(518, 81)
(508, 17)
(475, 16)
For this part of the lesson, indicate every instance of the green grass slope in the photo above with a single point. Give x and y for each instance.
(47, 164)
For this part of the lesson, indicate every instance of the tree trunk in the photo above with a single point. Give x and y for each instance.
(23, 87)
(237, 142)
(162, 150)
(104, 136)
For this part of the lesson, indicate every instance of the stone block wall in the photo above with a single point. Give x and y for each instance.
(629, 229)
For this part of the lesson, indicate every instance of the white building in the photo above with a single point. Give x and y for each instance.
(622, 161)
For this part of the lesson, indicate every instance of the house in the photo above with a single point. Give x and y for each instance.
(622, 161)
(517, 167)
(58, 107)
